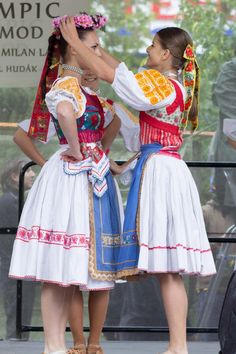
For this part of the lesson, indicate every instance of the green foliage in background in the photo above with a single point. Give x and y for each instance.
(127, 34)
(16, 104)
(214, 35)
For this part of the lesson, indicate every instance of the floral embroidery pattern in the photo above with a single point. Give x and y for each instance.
(171, 114)
(59, 238)
(162, 115)
(191, 84)
(71, 85)
(129, 237)
(110, 240)
(83, 20)
(154, 85)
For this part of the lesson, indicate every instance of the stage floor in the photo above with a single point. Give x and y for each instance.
(111, 347)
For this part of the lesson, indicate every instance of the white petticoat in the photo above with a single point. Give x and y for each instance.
(172, 231)
(52, 242)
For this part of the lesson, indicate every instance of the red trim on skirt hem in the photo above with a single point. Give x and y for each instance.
(174, 248)
(33, 278)
(180, 272)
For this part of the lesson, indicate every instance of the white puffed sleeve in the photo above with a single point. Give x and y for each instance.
(66, 89)
(229, 128)
(24, 124)
(130, 129)
(144, 91)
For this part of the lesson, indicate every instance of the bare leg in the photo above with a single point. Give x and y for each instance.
(98, 304)
(55, 303)
(76, 317)
(175, 304)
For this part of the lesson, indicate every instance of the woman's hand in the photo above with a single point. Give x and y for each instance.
(115, 168)
(118, 169)
(71, 155)
(232, 142)
(68, 31)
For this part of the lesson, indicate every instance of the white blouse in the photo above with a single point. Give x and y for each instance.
(144, 91)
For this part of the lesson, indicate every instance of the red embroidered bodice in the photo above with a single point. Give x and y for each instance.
(90, 125)
(155, 130)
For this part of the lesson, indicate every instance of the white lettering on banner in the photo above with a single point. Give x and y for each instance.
(24, 30)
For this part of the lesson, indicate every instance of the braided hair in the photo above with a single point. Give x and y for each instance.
(52, 46)
(176, 40)
(57, 48)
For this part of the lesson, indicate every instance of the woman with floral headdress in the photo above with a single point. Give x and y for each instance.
(164, 231)
(70, 226)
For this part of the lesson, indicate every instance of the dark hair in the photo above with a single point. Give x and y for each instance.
(11, 167)
(82, 33)
(176, 40)
(57, 44)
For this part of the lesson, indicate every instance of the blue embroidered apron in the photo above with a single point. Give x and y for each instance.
(129, 248)
(107, 231)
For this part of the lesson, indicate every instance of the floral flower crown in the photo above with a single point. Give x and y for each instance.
(83, 21)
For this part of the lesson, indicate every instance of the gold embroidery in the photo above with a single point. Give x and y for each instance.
(154, 85)
(94, 273)
(106, 105)
(127, 272)
(71, 85)
(111, 240)
(133, 272)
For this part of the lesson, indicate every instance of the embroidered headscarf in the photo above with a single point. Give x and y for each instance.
(40, 117)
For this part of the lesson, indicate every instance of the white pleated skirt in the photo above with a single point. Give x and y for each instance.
(171, 225)
(53, 238)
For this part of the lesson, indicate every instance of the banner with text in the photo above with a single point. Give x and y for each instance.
(24, 31)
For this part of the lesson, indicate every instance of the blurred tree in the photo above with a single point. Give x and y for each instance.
(127, 31)
(128, 28)
(209, 22)
(213, 28)
(127, 36)
(16, 104)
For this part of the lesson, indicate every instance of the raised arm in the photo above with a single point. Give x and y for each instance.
(109, 59)
(90, 60)
(144, 91)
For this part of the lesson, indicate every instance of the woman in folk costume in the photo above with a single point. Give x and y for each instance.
(70, 226)
(30, 147)
(164, 231)
(112, 125)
